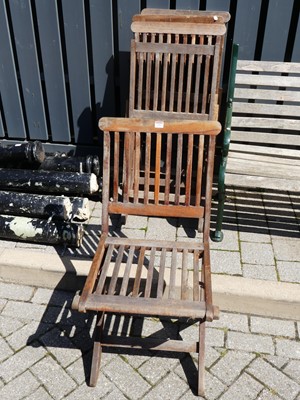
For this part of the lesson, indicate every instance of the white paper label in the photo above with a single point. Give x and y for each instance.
(159, 124)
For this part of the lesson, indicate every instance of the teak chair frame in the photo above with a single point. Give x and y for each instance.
(122, 275)
(175, 65)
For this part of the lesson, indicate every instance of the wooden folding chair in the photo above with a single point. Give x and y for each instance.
(175, 65)
(132, 276)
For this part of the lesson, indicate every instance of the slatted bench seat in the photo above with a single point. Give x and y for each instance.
(262, 127)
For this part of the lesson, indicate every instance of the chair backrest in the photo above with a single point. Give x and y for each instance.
(175, 66)
(164, 11)
(151, 169)
(266, 103)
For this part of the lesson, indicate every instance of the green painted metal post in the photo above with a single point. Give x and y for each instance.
(217, 235)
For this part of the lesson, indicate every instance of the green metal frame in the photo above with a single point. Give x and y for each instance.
(217, 235)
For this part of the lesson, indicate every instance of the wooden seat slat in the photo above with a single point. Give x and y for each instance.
(267, 109)
(254, 181)
(267, 138)
(268, 66)
(266, 168)
(268, 80)
(144, 306)
(267, 123)
(264, 94)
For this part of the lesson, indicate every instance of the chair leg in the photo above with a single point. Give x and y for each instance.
(97, 351)
(201, 359)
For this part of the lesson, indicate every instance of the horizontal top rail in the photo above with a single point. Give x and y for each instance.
(196, 19)
(160, 11)
(268, 66)
(179, 28)
(150, 125)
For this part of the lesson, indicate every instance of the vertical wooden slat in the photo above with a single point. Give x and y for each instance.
(116, 165)
(199, 170)
(78, 70)
(126, 169)
(208, 189)
(150, 273)
(9, 89)
(140, 60)
(104, 269)
(50, 40)
(114, 278)
(148, 76)
(207, 274)
(138, 274)
(137, 165)
(184, 275)
(105, 181)
(174, 59)
(172, 284)
(189, 168)
(178, 167)
(162, 267)
(147, 167)
(168, 168)
(134, 59)
(196, 276)
(166, 61)
(157, 168)
(21, 15)
(206, 79)
(156, 75)
(181, 77)
(125, 280)
(214, 88)
(197, 78)
(191, 59)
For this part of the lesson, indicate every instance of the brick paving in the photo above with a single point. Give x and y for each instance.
(45, 348)
(248, 357)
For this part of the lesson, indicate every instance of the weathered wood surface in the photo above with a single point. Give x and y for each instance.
(175, 71)
(265, 140)
(48, 181)
(178, 27)
(131, 275)
(180, 18)
(162, 168)
(40, 230)
(268, 66)
(165, 126)
(161, 11)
